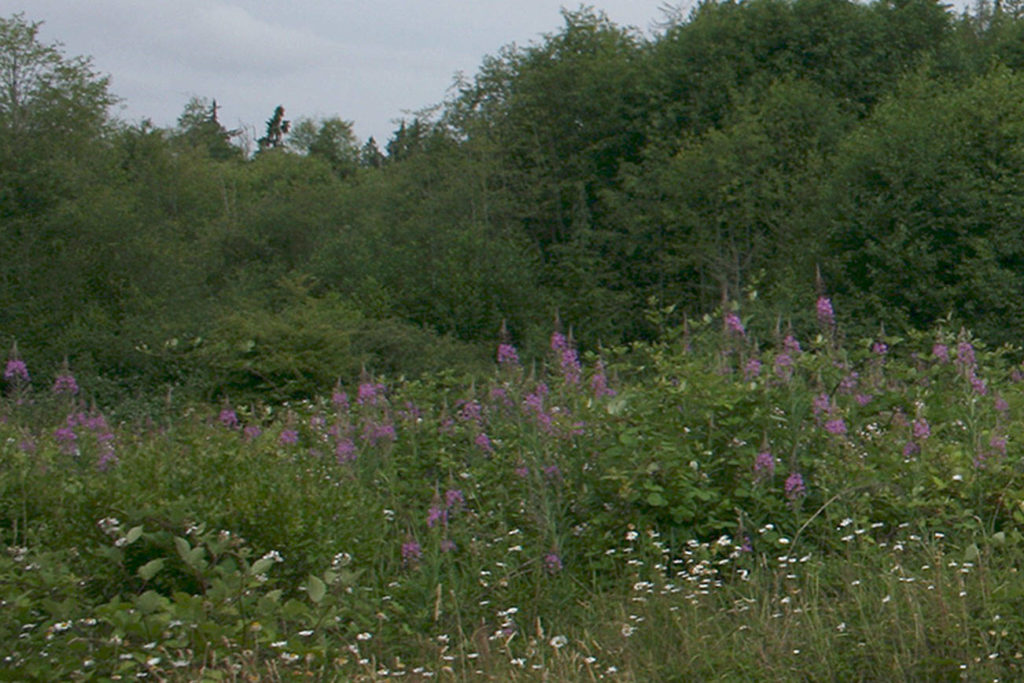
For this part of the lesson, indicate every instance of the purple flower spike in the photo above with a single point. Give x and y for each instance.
(764, 466)
(734, 325)
(228, 418)
(552, 563)
(837, 427)
(16, 371)
(507, 355)
(794, 487)
(411, 551)
(826, 316)
(288, 437)
(65, 384)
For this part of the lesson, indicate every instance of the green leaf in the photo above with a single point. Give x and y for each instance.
(182, 546)
(316, 589)
(133, 535)
(150, 569)
(657, 500)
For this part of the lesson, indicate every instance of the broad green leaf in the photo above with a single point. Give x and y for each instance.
(150, 569)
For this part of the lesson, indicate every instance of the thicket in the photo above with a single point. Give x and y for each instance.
(769, 148)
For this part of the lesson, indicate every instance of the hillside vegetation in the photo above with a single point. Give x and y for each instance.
(593, 176)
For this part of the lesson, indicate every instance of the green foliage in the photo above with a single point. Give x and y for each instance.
(924, 206)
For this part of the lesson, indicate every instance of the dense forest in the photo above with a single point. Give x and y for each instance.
(750, 155)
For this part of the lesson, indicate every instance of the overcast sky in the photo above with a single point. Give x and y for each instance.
(367, 61)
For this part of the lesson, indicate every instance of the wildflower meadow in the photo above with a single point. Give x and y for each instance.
(738, 501)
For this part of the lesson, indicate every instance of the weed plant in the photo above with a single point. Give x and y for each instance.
(710, 507)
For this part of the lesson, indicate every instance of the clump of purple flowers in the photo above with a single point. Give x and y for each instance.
(752, 370)
(65, 384)
(507, 355)
(836, 426)
(483, 442)
(370, 393)
(411, 551)
(229, 418)
(764, 466)
(288, 437)
(599, 382)
(16, 370)
(734, 325)
(552, 563)
(921, 429)
(826, 316)
(345, 451)
(794, 487)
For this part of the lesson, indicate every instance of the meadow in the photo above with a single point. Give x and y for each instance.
(738, 501)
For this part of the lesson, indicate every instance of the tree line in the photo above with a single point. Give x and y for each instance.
(759, 152)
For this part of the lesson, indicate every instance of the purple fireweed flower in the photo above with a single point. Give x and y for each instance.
(507, 355)
(790, 345)
(1001, 405)
(499, 395)
(821, 404)
(880, 348)
(553, 472)
(345, 451)
(95, 422)
(471, 411)
(558, 342)
(228, 418)
(483, 442)
(534, 402)
(752, 370)
(922, 430)
(552, 563)
(411, 551)
(826, 316)
(911, 449)
(836, 426)
(599, 383)
(794, 487)
(27, 446)
(862, 399)
(734, 325)
(435, 514)
(522, 472)
(370, 393)
(571, 368)
(106, 459)
(252, 432)
(373, 433)
(784, 366)
(448, 545)
(965, 357)
(453, 498)
(288, 437)
(16, 371)
(340, 399)
(65, 384)
(998, 443)
(978, 384)
(940, 352)
(849, 383)
(67, 439)
(764, 466)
